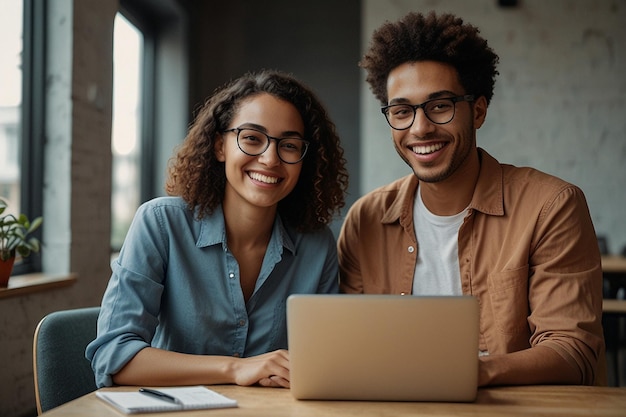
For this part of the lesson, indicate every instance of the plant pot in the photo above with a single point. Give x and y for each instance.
(6, 267)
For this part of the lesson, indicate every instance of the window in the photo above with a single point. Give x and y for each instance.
(127, 125)
(160, 109)
(154, 94)
(11, 46)
(22, 109)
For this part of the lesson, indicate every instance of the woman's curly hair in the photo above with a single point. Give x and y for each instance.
(444, 38)
(196, 175)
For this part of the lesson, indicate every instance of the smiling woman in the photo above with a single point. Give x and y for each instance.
(252, 189)
(257, 182)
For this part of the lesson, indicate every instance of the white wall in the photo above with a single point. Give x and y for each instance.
(559, 102)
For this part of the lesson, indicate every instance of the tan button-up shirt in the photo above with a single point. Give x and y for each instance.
(527, 250)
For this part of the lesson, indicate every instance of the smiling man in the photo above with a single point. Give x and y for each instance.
(519, 240)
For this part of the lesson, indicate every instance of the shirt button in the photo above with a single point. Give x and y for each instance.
(242, 323)
(236, 354)
(411, 249)
(231, 275)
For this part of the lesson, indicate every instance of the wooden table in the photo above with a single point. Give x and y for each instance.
(533, 401)
(612, 306)
(614, 314)
(614, 273)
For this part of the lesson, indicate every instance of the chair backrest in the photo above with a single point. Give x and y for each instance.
(61, 371)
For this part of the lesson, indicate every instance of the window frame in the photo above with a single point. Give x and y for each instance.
(33, 121)
(164, 26)
(143, 22)
(137, 17)
(146, 25)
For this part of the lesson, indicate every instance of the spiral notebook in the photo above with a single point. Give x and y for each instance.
(187, 398)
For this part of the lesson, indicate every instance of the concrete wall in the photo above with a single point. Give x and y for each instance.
(559, 101)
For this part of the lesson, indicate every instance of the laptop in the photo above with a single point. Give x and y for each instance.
(383, 347)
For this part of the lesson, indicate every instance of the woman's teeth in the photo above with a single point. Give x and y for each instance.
(263, 178)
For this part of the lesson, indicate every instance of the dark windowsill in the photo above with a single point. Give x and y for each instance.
(31, 283)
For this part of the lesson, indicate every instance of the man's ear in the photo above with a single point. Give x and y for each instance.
(218, 148)
(480, 111)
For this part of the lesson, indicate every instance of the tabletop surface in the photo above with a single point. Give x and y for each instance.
(614, 264)
(614, 306)
(502, 401)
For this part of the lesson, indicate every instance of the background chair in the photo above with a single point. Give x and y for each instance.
(61, 371)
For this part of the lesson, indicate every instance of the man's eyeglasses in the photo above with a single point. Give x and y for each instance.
(254, 142)
(439, 111)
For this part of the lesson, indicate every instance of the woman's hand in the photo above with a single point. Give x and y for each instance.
(151, 366)
(269, 370)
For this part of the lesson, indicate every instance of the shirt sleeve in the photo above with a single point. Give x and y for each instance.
(565, 287)
(350, 278)
(131, 302)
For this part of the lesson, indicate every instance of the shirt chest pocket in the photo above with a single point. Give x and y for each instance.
(508, 293)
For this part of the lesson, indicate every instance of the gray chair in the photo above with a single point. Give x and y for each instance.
(61, 371)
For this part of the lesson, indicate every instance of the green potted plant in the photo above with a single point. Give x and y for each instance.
(14, 240)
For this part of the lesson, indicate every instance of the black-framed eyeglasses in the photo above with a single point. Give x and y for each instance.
(439, 111)
(291, 150)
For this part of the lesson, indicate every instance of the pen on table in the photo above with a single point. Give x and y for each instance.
(160, 395)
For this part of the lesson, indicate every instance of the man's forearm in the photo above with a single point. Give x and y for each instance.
(537, 365)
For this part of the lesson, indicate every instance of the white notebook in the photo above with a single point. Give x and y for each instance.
(188, 398)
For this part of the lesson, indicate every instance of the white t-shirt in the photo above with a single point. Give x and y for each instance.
(437, 270)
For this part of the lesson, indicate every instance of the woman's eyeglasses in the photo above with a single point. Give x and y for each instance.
(291, 150)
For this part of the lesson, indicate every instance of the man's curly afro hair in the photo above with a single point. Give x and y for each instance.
(443, 38)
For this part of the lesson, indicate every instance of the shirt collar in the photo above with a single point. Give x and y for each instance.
(401, 208)
(488, 194)
(213, 232)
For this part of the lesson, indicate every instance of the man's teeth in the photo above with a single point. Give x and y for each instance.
(426, 149)
(263, 178)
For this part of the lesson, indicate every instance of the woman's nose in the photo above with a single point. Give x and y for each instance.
(270, 156)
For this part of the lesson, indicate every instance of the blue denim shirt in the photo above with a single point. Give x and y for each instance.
(175, 286)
